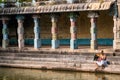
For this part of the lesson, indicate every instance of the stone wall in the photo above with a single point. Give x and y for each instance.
(105, 22)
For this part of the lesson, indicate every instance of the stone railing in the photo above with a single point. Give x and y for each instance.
(56, 8)
(47, 2)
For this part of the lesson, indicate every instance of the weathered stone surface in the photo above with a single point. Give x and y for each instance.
(57, 61)
(56, 8)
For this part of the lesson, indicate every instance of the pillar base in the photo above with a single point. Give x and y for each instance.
(116, 44)
(21, 44)
(5, 43)
(73, 44)
(55, 44)
(94, 45)
(37, 43)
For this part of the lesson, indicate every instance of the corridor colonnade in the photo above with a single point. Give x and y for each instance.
(54, 31)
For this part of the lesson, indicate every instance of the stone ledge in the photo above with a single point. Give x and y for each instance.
(57, 8)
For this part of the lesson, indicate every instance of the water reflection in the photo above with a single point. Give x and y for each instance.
(28, 74)
(101, 77)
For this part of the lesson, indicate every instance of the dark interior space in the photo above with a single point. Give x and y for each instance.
(12, 26)
(0, 33)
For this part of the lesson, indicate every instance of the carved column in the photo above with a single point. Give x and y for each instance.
(93, 19)
(5, 40)
(116, 31)
(20, 31)
(73, 31)
(54, 31)
(37, 40)
(116, 28)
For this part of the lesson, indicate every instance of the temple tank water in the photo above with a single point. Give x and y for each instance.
(32, 74)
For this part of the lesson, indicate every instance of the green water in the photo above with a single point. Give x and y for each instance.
(28, 74)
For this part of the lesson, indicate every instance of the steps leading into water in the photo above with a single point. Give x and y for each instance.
(57, 61)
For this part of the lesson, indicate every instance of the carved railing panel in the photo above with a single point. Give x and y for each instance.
(24, 3)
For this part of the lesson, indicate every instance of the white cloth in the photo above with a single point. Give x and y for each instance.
(102, 62)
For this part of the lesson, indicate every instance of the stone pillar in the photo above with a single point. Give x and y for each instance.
(37, 40)
(5, 40)
(93, 19)
(54, 31)
(116, 28)
(20, 31)
(73, 31)
(116, 31)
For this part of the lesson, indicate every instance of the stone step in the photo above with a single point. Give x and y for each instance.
(114, 60)
(73, 57)
(48, 63)
(55, 53)
(69, 66)
(55, 57)
(63, 66)
(44, 55)
(45, 59)
(50, 55)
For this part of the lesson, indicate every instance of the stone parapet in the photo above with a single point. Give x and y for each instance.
(57, 8)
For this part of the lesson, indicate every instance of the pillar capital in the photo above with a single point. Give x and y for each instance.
(4, 19)
(36, 16)
(20, 17)
(93, 14)
(73, 16)
(54, 17)
(36, 19)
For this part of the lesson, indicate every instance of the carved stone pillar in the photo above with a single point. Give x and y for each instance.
(5, 32)
(54, 31)
(73, 31)
(37, 40)
(116, 28)
(116, 31)
(20, 31)
(93, 19)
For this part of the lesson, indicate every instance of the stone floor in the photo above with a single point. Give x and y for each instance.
(81, 49)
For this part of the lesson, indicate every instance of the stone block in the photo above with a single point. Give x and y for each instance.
(116, 44)
(37, 43)
(5, 43)
(55, 44)
(73, 44)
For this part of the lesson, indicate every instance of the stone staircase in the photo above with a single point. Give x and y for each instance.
(57, 61)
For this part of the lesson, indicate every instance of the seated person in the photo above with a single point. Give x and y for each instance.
(100, 59)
